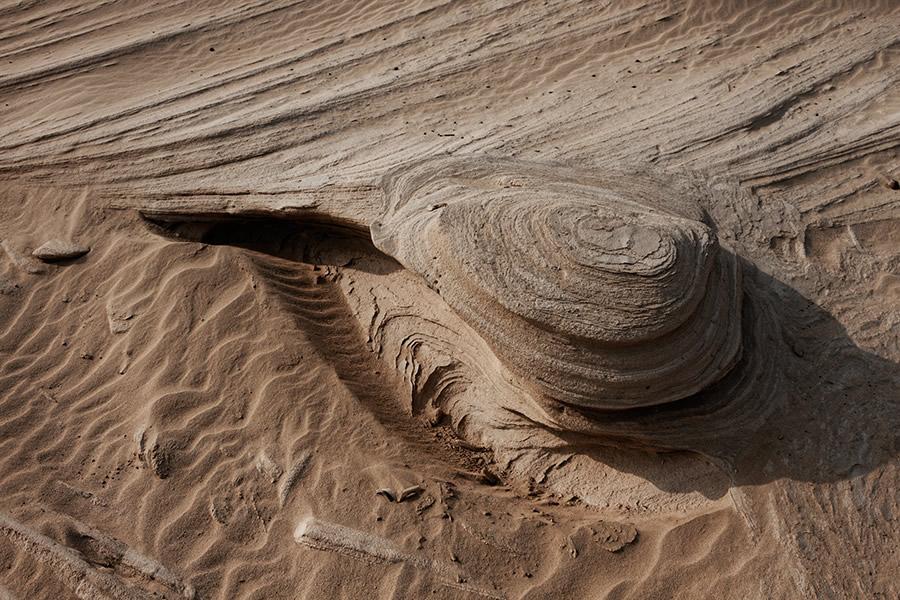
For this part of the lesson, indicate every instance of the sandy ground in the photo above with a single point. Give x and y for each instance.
(195, 414)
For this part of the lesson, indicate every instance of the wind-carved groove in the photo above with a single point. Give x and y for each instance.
(309, 295)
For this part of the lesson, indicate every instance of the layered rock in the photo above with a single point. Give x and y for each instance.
(607, 292)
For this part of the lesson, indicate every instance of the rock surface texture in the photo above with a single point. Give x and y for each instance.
(605, 292)
(616, 285)
(59, 250)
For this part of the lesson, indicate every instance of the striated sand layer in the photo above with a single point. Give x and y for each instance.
(206, 408)
(606, 291)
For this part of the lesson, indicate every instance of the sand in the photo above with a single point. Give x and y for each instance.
(206, 403)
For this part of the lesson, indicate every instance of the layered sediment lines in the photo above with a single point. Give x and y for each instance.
(606, 291)
(155, 390)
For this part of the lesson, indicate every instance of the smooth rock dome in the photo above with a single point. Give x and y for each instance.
(606, 292)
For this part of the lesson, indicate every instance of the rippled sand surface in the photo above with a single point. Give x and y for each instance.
(205, 403)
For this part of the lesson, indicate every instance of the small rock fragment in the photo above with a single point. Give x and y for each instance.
(59, 250)
(410, 492)
(119, 319)
(387, 493)
(424, 504)
(488, 477)
(615, 536)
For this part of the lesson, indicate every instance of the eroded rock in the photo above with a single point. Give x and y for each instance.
(59, 250)
(606, 292)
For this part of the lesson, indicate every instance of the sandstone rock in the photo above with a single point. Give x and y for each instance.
(606, 290)
(59, 250)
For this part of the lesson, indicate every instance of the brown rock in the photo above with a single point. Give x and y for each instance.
(59, 250)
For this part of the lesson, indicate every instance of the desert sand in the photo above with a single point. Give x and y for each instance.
(606, 292)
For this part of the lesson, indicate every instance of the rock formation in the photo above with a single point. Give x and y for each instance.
(607, 291)
(547, 305)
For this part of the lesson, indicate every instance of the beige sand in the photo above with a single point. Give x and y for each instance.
(207, 409)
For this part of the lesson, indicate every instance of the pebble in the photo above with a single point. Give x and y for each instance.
(59, 250)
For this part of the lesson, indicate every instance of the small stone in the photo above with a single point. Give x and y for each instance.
(119, 319)
(59, 250)
(615, 536)
(489, 477)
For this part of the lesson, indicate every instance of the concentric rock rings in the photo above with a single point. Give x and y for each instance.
(604, 291)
